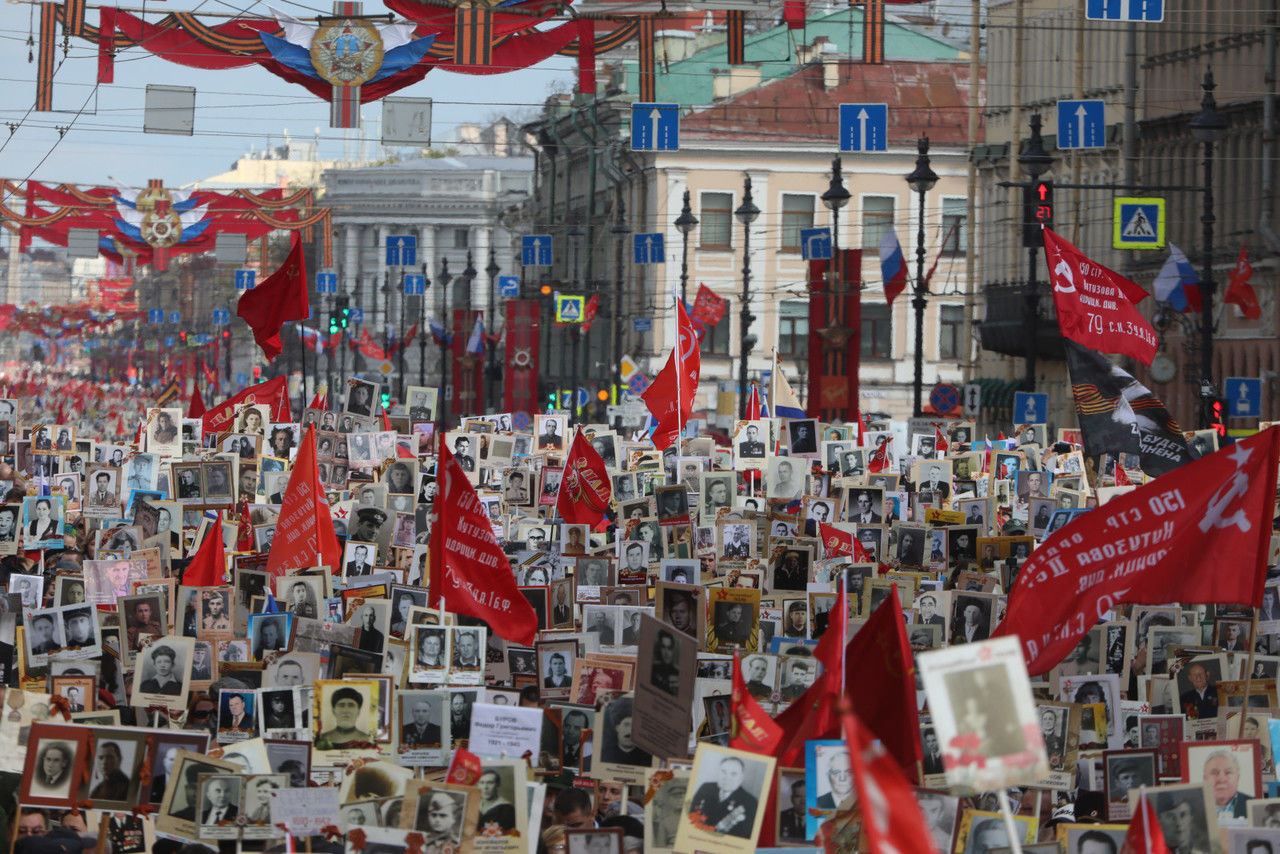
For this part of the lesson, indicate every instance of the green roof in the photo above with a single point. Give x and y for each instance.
(689, 82)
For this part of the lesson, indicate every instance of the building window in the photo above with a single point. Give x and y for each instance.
(461, 238)
(877, 219)
(716, 220)
(950, 326)
(793, 330)
(954, 214)
(715, 341)
(877, 331)
(797, 214)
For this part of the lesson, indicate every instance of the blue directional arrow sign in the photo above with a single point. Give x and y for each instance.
(175, 317)
(415, 285)
(649, 248)
(245, 279)
(535, 250)
(155, 315)
(402, 250)
(1082, 124)
(1030, 408)
(815, 244)
(241, 379)
(1149, 11)
(508, 286)
(221, 317)
(326, 283)
(356, 315)
(1244, 396)
(655, 127)
(864, 127)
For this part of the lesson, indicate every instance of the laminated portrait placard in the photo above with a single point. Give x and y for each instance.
(725, 801)
(504, 731)
(446, 814)
(57, 756)
(984, 715)
(616, 755)
(180, 809)
(344, 720)
(502, 823)
(664, 689)
(1186, 815)
(663, 800)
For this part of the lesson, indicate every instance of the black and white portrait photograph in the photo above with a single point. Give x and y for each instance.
(1185, 815)
(268, 633)
(1125, 771)
(728, 790)
(116, 757)
(55, 762)
(220, 799)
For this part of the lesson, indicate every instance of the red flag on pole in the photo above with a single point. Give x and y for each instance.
(670, 398)
(584, 486)
(273, 392)
(1145, 835)
(196, 408)
(940, 442)
(304, 533)
(750, 728)
(836, 542)
(879, 459)
(281, 297)
(1199, 534)
(892, 821)
(1122, 478)
(589, 312)
(1096, 306)
(469, 572)
(208, 568)
(708, 306)
(1239, 291)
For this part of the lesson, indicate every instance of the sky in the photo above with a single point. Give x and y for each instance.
(236, 110)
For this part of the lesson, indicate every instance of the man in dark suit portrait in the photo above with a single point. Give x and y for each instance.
(864, 511)
(222, 809)
(751, 446)
(550, 436)
(359, 563)
(420, 732)
(1201, 699)
(462, 453)
(726, 807)
(236, 717)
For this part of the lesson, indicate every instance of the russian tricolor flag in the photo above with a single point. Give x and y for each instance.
(1177, 282)
(893, 268)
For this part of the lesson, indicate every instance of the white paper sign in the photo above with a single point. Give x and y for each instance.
(304, 811)
(505, 731)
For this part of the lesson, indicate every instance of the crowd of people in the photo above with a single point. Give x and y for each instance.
(152, 706)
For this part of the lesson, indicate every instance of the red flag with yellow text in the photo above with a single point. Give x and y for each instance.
(584, 486)
(304, 533)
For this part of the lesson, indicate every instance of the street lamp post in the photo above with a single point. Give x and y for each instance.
(1207, 126)
(442, 408)
(575, 330)
(921, 180)
(620, 230)
(1035, 161)
(745, 214)
(490, 369)
(686, 222)
(462, 296)
(423, 331)
(836, 358)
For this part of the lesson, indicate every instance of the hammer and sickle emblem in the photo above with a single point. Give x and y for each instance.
(1216, 514)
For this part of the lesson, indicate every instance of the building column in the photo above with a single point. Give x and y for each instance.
(351, 256)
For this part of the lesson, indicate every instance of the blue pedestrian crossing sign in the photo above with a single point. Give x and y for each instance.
(1150, 11)
(535, 250)
(155, 315)
(415, 285)
(326, 283)
(245, 279)
(649, 248)
(1030, 408)
(1244, 396)
(864, 127)
(508, 286)
(815, 244)
(1082, 124)
(655, 127)
(402, 250)
(356, 315)
(221, 317)
(569, 308)
(1138, 223)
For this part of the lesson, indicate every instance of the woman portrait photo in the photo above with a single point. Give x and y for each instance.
(44, 521)
(497, 812)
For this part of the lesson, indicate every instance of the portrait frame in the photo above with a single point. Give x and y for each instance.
(42, 736)
(757, 779)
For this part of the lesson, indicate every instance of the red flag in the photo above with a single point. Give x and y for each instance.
(1239, 291)
(1198, 534)
(892, 821)
(939, 441)
(814, 711)
(750, 728)
(584, 486)
(196, 408)
(793, 14)
(1122, 478)
(208, 567)
(210, 375)
(753, 403)
(709, 307)
(281, 297)
(1096, 305)
(274, 392)
(679, 375)
(589, 312)
(469, 572)
(320, 400)
(1145, 835)
(106, 44)
(304, 534)
(879, 459)
(465, 768)
(835, 542)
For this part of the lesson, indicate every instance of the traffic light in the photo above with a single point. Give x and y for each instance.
(257, 373)
(182, 337)
(335, 322)
(342, 306)
(386, 400)
(1218, 416)
(1037, 211)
